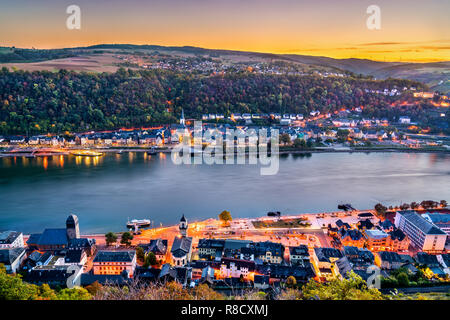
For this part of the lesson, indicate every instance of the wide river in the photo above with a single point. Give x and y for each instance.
(40, 193)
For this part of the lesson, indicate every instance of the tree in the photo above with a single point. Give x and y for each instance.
(110, 238)
(204, 292)
(74, 294)
(380, 209)
(150, 260)
(403, 279)
(13, 288)
(285, 138)
(140, 254)
(225, 217)
(126, 238)
(94, 287)
(342, 135)
(352, 288)
(299, 143)
(291, 282)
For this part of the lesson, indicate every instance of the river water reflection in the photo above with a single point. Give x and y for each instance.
(36, 193)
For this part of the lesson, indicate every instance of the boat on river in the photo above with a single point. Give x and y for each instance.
(144, 223)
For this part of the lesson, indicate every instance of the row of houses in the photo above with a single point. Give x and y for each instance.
(383, 236)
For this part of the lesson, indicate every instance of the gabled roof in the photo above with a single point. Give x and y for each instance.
(8, 256)
(427, 259)
(81, 243)
(386, 224)
(57, 274)
(301, 250)
(115, 256)
(8, 237)
(324, 254)
(389, 256)
(353, 234)
(157, 246)
(261, 248)
(211, 243)
(73, 256)
(181, 246)
(420, 222)
(53, 237)
(397, 234)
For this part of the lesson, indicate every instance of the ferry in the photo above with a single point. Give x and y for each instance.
(138, 223)
(86, 153)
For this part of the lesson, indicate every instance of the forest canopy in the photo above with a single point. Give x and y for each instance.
(57, 102)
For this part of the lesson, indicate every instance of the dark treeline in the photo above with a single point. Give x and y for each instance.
(41, 102)
(8, 55)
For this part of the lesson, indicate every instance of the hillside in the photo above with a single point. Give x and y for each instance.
(101, 58)
(42, 101)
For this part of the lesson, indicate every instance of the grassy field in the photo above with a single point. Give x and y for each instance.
(282, 223)
(88, 63)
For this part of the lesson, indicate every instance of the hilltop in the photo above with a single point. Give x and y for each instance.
(104, 58)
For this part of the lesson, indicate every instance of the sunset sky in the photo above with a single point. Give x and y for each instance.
(411, 30)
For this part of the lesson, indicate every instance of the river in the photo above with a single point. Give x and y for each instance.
(38, 193)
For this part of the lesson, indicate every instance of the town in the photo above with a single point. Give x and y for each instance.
(408, 245)
(344, 130)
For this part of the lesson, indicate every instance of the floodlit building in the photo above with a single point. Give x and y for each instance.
(114, 263)
(11, 239)
(423, 234)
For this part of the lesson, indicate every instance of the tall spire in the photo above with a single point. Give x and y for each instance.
(182, 117)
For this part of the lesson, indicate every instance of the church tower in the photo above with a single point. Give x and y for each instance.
(182, 121)
(183, 226)
(72, 227)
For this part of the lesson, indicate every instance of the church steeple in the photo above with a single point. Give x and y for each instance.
(182, 121)
(183, 226)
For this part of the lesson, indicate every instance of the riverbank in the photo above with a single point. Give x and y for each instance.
(281, 151)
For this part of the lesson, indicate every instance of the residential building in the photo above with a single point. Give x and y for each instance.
(114, 262)
(54, 276)
(269, 252)
(423, 234)
(398, 241)
(209, 248)
(299, 255)
(388, 260)
(377, 240)
(324, 262)
(11, 239)
(351, 237)
(12, 258)
(85, 244)
(236, 268)
(440, 220)
(158, 247)
(75, 257)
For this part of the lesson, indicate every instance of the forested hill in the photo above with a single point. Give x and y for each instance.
(41, 102)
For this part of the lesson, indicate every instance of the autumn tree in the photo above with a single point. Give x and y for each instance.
(351, 288)
(225, 217)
